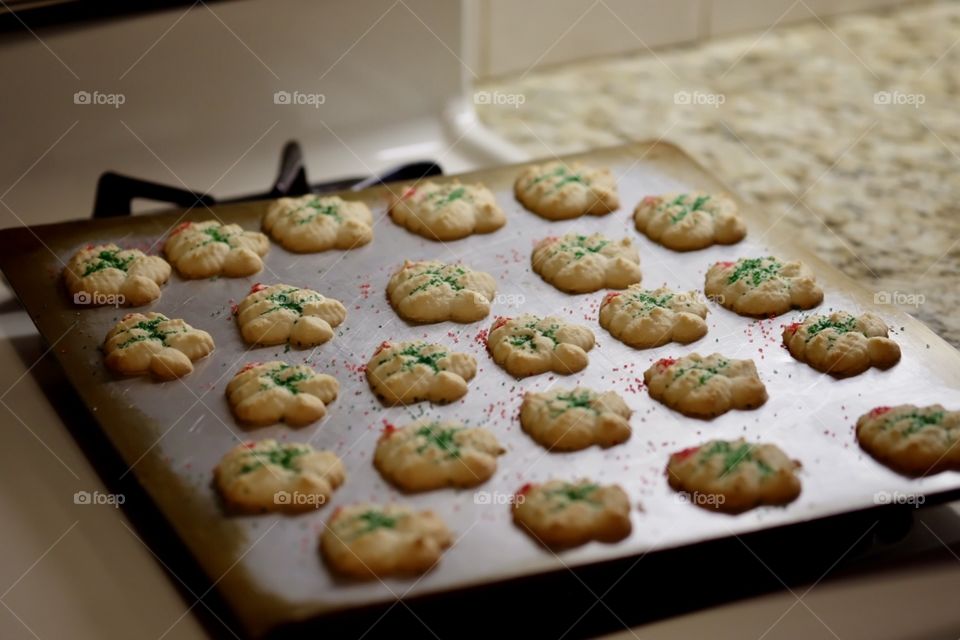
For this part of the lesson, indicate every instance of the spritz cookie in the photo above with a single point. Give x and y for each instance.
(431, 291)
(645, 318)
(431, 454)
(567, 514)
(153, 343)
(762, 286)
(577, 263)
(573, 419)
(559, 191)
(277, 476)
(842, 344)
(447, 211)
(369, 540)
(910, 439)
(108, 275)
(207, 249)
(312, 223)
(529, 345)
(734, 476)
(283, 313)
(688, 221)
(705, 387)
(265, 393)
(411, 372)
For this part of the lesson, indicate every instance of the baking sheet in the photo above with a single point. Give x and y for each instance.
(268, 568)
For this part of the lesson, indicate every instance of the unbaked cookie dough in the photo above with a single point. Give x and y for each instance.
(567, 514)
(370, 540)
(705, 387)
(265, 393)
(432, 454)
(559, 191)
(734, 476)
(529, 345)
(447, 211)
(207, 249)
(842, 344)
(431, 291)
(576, 263)
(153, 343)
(310, 223)
(688, 221)
(645, 318)
(573, 419)
(411, 372)
(108, 275)
(283, 313)
(277, 476)
(913, 440)
(762, 286)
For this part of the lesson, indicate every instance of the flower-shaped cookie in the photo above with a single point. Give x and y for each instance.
(282, 313)
(431, 291)
(912, 440)
(273, 476)
(317, 223)
(265, 393)
(207, 249)
(367, 540)
(108, 275)
(576, 263)
(734, 476)
(705, 387)
(431, 454)
(842, 344)
(567, 514)
(645, 318)
(762, 286)
(410, 372)
(559, 191)
(447, 211)
(153, 343)
(573, 419)
(529, 345)
(688, 221)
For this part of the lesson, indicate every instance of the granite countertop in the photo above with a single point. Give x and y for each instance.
(792, 121)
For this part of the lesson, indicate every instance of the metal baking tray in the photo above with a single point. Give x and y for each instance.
(268, 567)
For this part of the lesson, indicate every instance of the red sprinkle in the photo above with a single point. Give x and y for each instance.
(792, 328)
(685, 453)
(409, 191)
(257, 287)
(726, 265)
(180, 227)
(664, 363)
(525, 489)
(501, 320)
(879, 411)
(383, 345)
(610, 296)
(651, 200)
(249, 445)
(247, 367)
(388, 430)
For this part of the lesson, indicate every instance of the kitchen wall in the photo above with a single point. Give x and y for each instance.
(515, 36)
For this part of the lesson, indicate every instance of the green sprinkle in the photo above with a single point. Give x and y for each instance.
(755, 270)
(414, 355)
(279, 456)
(108, 260)
(443, 439)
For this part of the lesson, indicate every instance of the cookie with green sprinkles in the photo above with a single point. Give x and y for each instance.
(734, 475)
(447, 211)
(842, 344)
(705, 387)
(311, 223)
(561, 514)
(105, 274)
(257, 477)
(572, 419)
(690, 221)
(433, 454)
(416, 371)
(529, 345)
(265, 393)
(762, 286)
(577, 263)
(430, 291)
(153, 343)
(281, 313)
(365, 541)
(560, 190)
(211, 248)
(646, 318)
(912, 440)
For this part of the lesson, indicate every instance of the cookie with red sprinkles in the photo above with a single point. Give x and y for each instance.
(912, 440)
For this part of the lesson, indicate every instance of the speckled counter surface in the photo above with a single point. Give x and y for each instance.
(792, 120)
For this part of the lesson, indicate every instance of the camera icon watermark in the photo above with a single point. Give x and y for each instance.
(510, 299)
(114, 100)
(700, 499)
(299, 98)
(499, 99)
(99, 498)
(298, 498)
(899, 298)
(898, 497)
(897, 97)
(98, 299)
(699, 98)
(498, 498)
